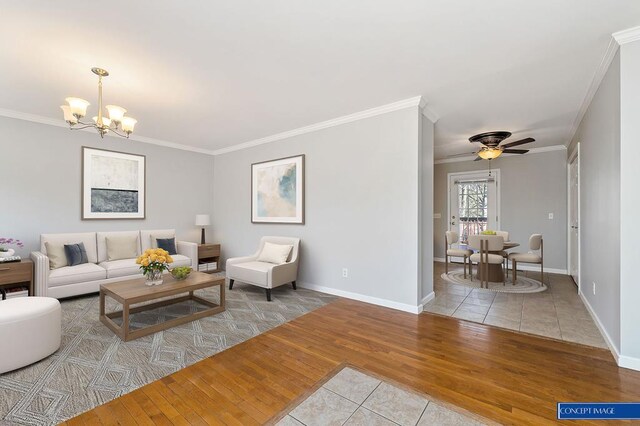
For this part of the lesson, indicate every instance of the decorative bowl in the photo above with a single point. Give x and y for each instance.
(181, 272)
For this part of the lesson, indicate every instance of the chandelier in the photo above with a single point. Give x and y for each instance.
(116, 122)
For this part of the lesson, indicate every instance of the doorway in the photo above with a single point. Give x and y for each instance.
(474, 202)
(574, 215)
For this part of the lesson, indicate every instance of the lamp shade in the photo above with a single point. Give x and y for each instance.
(489, 153)
(203, 220)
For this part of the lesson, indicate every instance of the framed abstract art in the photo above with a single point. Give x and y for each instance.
(277, 191)
(113, 185)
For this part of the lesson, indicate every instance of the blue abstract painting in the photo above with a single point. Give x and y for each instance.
(277, 191)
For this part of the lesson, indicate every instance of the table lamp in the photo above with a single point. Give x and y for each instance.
(202, 220)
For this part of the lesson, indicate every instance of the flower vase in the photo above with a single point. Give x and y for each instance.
(7, 253)
(154, 277)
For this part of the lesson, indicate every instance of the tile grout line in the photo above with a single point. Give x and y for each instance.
(423, 411)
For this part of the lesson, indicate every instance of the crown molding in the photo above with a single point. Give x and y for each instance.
(531, 151)
(60, 123)
(395, 106)
(627, 36)
(599, 74)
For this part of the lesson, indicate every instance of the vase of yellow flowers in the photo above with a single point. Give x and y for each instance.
(153, 262)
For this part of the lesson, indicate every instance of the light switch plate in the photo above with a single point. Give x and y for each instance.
(550, 216)
(437, 216)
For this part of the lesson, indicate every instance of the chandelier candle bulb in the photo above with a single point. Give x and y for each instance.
(68, 115)
(78, 106)
(116, 113)
(128, 124)
(106, 122)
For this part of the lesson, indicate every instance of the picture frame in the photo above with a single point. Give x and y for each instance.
(113, 185)
(278, 191)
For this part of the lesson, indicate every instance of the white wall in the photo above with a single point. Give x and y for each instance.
(629, 204)
(40, 183)
(427, 167)
(531, 187)
(362, 212)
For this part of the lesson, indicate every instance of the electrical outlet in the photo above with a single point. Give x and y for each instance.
(594, 288)
(550, 216)
(345, 273)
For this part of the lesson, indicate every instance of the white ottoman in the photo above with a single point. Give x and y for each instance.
(30, 329)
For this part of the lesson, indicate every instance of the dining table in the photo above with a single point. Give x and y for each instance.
(496, 273)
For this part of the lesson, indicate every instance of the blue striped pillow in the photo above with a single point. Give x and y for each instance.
(76, 254)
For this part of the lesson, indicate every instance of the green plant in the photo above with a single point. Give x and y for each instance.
(181, 272)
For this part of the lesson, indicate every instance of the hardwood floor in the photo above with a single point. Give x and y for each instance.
(506, 376)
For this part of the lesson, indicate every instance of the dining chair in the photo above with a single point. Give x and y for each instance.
(535, 244)
(487, 247)
(505, 255)
(450, 238)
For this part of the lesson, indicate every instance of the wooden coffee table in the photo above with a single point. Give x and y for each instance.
(131, 292)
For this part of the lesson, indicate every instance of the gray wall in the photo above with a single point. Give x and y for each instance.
(361, 205)
(40, 190)
(426, 191)
(599, 137)
(532, 186)
(629, 204)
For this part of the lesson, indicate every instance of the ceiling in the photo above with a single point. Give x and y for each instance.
(219, 73)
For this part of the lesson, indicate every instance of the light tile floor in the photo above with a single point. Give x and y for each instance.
(354, 398)
(558, 312)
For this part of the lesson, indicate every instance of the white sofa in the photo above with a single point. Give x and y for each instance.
(86, 278)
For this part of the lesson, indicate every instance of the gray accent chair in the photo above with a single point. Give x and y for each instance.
(263, 274)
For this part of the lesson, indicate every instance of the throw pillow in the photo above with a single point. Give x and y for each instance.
(56, 255)
(154, 238)
(76, 254)
(122, 247)
(168, 244)
(274, 253)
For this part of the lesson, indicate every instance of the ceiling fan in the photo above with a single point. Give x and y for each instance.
(492, 148)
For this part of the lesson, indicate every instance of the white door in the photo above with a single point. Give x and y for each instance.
(574, 218)
(473, 202)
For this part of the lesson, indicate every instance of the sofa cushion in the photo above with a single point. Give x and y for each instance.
(168, 244)
(101, 239)
(121, 268)
(250, 272)
(274, 253)
(122, 247)
(180, 260)
(56, 254)
(87, 238)
(76, 254)
(148, 238)
(76, 274)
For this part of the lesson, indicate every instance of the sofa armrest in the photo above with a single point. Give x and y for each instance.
(189, 249)
(282, 274)
(40, 273)
(236, 260)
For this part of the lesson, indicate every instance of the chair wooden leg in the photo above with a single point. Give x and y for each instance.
(515, 271)
(470, 270)
(446, 264)
(268, 295)
(464, 267)
(542, 272)
(293, 284)
(230, 284)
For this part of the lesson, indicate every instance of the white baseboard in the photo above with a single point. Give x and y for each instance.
(629, 362)
(364, 298)
(603, 331)
(428, 298)
(523, 267)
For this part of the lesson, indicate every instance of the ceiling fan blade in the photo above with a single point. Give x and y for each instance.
(515, 151)
(516, 143)
(478, 158)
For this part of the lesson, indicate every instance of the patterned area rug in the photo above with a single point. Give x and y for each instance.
(94, 366)
(523, 284)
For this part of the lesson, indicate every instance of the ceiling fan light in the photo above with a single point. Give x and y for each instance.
(489, 153)
(128, 124)
(68, 116)
(116, 113)
(78, 106)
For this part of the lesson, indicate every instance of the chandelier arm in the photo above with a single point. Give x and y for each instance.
(85, 126)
